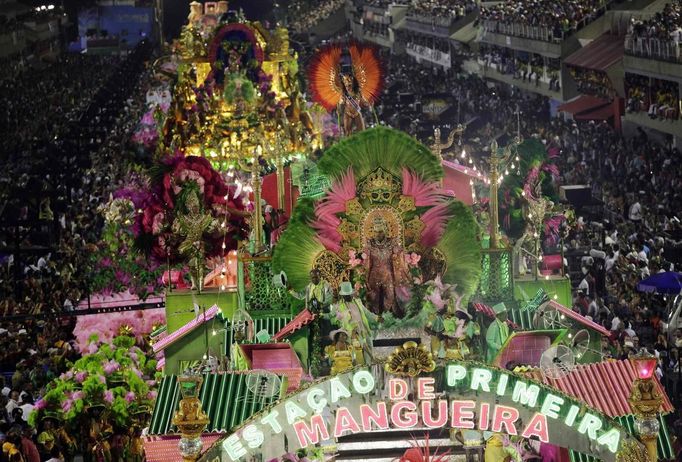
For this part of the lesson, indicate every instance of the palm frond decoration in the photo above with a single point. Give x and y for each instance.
(295, 253)
(460, 245)
(380, 147)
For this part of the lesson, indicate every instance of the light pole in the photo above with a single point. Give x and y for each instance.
(500, 159)
(645, 400)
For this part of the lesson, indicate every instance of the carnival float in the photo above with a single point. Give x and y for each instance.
(333, 289)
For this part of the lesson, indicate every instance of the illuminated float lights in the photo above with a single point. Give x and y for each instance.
(317, 414)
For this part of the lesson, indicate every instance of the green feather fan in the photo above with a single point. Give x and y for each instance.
(380, 147)
(462, 250)
(295, 253)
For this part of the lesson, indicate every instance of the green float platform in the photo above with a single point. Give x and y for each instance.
(526, 288)
(210, 335)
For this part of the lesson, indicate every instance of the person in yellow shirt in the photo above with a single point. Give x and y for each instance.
(497, 451)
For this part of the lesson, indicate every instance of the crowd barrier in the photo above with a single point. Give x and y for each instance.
(667, 50)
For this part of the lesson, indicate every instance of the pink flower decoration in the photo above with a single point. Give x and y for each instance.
(130, 397)
(77, 395)
(151, 395)
(40, 404)
(111, 366)
(109, 396)
(157, 222)
(151, 383)
(67, 405)
(101, 379)
(81, 376)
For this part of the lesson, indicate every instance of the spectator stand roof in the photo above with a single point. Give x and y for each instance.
(600, 54)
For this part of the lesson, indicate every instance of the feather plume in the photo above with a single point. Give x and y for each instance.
(380, 147)
(460, 245)
(368, 70)
(295, 253)
(323, 75)
(434, 221)
(425, 194)
(326, 226)
(341, 191)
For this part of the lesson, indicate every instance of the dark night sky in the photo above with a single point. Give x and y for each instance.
(176, 11)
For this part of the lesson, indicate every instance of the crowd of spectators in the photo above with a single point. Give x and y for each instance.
(440, 12)
(659, 98)
(306, 14)
(532, 68)
(541, 19)
(592, 82)
(666, 25)
(49, 209)
(72, 172)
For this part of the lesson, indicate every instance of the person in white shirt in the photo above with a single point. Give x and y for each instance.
(12, 403)
(26, 406)
(635, 213)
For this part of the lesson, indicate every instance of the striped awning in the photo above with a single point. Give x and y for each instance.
(605, 386)
(303, 318)
(225, 398)
(165, 448)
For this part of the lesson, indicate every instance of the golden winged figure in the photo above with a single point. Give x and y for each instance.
(346, 77)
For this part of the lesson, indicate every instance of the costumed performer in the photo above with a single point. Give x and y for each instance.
(342, 354)
(499, 449)
(97, 433)
(351, 315)
(387, 275)
(318, 297)
(498, 332)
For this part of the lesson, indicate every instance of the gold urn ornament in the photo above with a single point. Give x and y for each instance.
(190, 419)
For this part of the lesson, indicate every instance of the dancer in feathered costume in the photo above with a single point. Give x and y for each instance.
(385, 225)
(347, 78)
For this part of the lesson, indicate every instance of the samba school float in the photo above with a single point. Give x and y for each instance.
(340, 290)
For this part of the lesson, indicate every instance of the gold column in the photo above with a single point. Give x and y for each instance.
(494, 241)
(257, 219)
(279, 162)
(645, 401)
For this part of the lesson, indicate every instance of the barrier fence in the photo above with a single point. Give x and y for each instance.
(654, 48)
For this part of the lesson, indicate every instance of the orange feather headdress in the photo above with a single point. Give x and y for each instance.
(324, 73)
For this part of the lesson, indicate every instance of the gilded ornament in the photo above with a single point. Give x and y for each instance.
(632, 451)
(406, 204)
(353, 208)
(379, 187)
(413, 229)
(410, 360)
(348, 230)
(332, 268)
